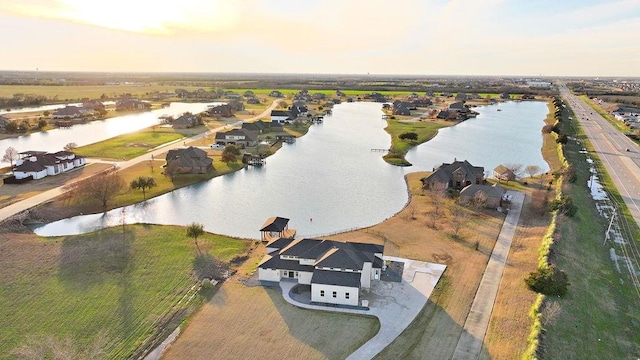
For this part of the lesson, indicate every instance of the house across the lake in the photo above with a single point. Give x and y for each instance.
(38, 164)
(456, 175)
(336, 271)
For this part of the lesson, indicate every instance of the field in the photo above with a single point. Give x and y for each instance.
(75, 92)
(131, 145)
(599, 316)
(243, 322)
(79, 286)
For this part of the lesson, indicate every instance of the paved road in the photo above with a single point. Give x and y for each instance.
(611, 147)
(30, 202)
(475, 327)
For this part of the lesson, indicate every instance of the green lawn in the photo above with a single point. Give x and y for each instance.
(425, 130)
(599, 317)
(128, 146)
(78, 286)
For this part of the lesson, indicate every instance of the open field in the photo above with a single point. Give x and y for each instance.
(131, 145)
(75, 92)
(599, 318)
(243, 322)
(78, 286)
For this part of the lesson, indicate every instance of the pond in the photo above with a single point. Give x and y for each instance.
(328, 181)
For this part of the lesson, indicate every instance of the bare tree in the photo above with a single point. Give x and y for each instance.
(550, 311)
(10, 156)
(102, 187)
(540, 201)
(479, 200)
(70, 146)
(458, 218)
(436, 194)
(532, 170)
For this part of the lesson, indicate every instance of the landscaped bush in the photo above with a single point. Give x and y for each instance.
(548, 280)
(564, 205)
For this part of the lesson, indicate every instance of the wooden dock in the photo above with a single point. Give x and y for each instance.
(380, 150)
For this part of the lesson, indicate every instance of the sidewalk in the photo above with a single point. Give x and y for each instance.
(475, 327)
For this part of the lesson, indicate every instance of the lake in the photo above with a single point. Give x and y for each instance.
(95, 131)
(330, 180)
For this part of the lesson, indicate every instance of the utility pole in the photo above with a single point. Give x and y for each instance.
(606, 235)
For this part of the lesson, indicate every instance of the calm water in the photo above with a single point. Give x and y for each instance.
(95, 131)
(328, 181)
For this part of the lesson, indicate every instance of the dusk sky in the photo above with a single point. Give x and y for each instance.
(422, 37)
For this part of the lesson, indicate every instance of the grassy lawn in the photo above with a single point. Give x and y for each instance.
(74, 92)
(242, 322)
(425, 130)
(78, 286)
(128, 146)
(599, 317)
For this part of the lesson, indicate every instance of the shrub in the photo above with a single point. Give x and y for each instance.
(564, 205)
(562, 139)
(408, 136)
(548, 280)
(570, 174)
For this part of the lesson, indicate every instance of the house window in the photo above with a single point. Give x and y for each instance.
(346, 295)
(322, 293)
(335, 294)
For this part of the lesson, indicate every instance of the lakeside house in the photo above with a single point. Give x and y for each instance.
(39, 164)
(190, 160)
(221, 111)
(71, 112)
(491, 195)
(455, 175)
(261, 127)
(281, 116)
(185, 121)
(336, 271)
(239, 137)
(129, 104)
(501, 172)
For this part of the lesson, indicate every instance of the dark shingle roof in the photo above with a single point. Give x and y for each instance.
(275, 262)
(337, 278)
(280, 243)
(275, 223)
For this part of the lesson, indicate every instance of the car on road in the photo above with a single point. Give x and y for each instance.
(217, 146)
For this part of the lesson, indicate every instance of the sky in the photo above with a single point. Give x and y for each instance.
(419, 37)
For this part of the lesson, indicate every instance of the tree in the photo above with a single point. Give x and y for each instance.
(143, 183)
(479, 200)
(408, 136)
(42, 123)
(70, 146)
(102, 187)
(532, 170)
(436, 195)
(458, 217)
(46, 113)
(11, 155)
(516, 169)
(230, 154)
(195, 230)
(24, 125)
(540, 201)
(548, 280)
(11, 127)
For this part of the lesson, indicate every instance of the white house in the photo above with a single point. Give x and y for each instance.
(281, 117)
(39, 164)
(240, 137)
(337, 271)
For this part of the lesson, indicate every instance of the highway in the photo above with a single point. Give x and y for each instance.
(619, 154)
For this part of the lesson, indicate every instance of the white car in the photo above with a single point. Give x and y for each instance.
(217, 146)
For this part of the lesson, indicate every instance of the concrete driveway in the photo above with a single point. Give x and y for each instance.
(395, 304)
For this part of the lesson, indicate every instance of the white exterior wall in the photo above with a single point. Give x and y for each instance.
(307, 261)
(279, 118)
(340, 298)
(268, 274)
(365, 276)
(304, 277)
(36, 174)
